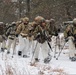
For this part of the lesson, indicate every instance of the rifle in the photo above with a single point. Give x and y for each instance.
(68, 22)
(46, 37)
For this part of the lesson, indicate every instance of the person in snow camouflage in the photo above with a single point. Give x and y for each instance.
(23, 31)
(52, 28)
(70, 35)
(3, 36)
(39, 36)
(11, 37)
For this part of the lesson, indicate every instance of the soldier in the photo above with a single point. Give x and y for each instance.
(30, 36)
(11, 37)
(51, 27)
(22, 31)
(18, 23)
(70, 36)
(39, 35)
(3, 36)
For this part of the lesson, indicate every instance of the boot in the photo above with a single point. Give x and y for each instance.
(8, 52)
(70, 58)
(47, 60)
(19, 53)
(36, 59)
(2, 49)
(25, 56)
(73, 59)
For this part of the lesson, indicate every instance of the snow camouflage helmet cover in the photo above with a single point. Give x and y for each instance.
(26, 19)
(38, 19)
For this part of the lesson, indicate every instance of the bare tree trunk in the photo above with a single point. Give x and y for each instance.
(28, 8)
(69, 17)
(20, 10)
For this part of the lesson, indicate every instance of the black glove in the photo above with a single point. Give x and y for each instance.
(7, 34)
(69, 33)
(56, 34)
(37, 36)
(59, 30)
(75, 36)
(66, 39)
(16, 35)
(74, 41)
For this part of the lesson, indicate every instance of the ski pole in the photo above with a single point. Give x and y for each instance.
(60, 51)
(49, 46)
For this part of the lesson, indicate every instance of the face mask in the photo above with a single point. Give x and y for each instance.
(25, 23)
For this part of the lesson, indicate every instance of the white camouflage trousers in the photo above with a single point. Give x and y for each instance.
(44, 50)
(12, 43)
(23, 45)
(72, 49)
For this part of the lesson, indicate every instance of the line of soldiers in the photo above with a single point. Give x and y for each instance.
(29, 33)
(36, 34)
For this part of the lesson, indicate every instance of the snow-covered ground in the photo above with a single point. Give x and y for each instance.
(22, 66)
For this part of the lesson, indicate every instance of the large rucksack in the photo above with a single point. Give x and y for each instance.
(2, 28)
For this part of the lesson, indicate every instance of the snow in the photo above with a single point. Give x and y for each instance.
(22, 66)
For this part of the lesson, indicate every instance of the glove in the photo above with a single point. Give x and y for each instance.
(66, 39)
(59, 30)
(37, 36)
(7, 34)
(16, 35)
(74, 41)
(56, 34)
(75, 36)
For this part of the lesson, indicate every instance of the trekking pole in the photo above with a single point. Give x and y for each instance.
(47, 41)
(60, 51)
(49, 46)
(34, 51)
(59, 44)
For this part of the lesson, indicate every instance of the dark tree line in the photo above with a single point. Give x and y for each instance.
(60, 10)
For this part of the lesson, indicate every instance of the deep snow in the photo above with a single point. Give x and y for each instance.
(21, 66)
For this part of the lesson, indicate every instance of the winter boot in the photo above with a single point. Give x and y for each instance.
(70, 58)
(36, 59)
(8, 52)
(47, 60)
(19, 53)
(25, 56)
(2, 49)
(73, 59)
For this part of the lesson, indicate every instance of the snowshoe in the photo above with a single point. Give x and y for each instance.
(25, 56)
(47, 60)
(73, 59)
